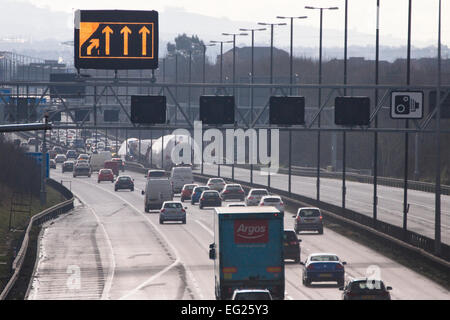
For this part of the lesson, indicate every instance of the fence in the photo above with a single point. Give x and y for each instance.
(47, 214)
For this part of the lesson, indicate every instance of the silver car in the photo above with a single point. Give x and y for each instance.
(274, 201)
(251, 294)
(308, 219)
(216, 184)
(254, 196)
(172, 211)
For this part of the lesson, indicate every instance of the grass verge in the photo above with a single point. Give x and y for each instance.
(10, 241)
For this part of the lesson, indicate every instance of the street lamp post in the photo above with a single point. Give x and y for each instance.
(320, 91)
(221, 78)
(234, 78)
(271, 44)
(252, 75)
(291, 60)
(234, 53)
(221, 57)
(204, 62)
(437, 226)
(271, 81)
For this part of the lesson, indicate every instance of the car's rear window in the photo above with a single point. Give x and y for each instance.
(105, 171)
(367, 285)
(272, 200)
(200, 189)
(210, 194)
(189, 187)
(289, 236)
(124, 178)
(216, 180)
(234, 188)
(307, 213)
(325, 258)
(157, 174)
(173, 205)
(252, 296)
(259, 192)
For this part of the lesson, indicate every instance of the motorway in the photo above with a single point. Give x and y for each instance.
(109, 248)
(359, 198)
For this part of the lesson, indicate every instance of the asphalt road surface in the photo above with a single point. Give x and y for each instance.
(359, 198)
(109, 248)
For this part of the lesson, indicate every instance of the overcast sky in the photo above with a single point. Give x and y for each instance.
(362, 13)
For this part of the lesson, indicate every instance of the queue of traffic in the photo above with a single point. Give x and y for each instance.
(250, 242)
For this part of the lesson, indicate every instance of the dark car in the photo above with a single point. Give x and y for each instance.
(308, 219)
(323, 267)
(232, 191)
(197, 193)
(365, 289)
(291, 246)
(124, 182)
(71, 154)
(52, 164)
(210, 198)
(186, 192)
(67, 166)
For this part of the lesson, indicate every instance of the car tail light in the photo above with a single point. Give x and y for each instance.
(163, 210)
(251, 198)
(339, 266)
(298, 218)
(261, 204)
(226, 191)
(182, 210)
(293, 243)
(202, 199)
(310, 267)
(241, 191)
(281, 204)
(273, 269)
(210, 184)
(229, 270)
(320, 218)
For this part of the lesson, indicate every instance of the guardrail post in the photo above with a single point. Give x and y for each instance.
(290, 162)
(344, 151)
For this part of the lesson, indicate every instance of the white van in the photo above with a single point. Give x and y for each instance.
(97, 160)
(180, 176)
(156, 192)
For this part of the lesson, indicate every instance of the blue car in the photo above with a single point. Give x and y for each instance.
(197, 193)
(323, 267)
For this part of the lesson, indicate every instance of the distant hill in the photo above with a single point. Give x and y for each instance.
(38, 32)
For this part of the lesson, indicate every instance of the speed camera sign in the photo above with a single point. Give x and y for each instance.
(407, 105)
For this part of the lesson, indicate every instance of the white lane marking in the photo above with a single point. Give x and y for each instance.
(205, 227)
(112, 269)
(176, 262)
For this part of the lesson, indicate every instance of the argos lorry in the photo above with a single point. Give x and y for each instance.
(248, 250)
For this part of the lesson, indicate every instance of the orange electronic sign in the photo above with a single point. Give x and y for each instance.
(116, 39)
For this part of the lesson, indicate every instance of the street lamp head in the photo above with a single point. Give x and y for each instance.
(322, 8)
(282, 17)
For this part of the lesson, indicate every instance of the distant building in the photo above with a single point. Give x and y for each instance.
(245, 54)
